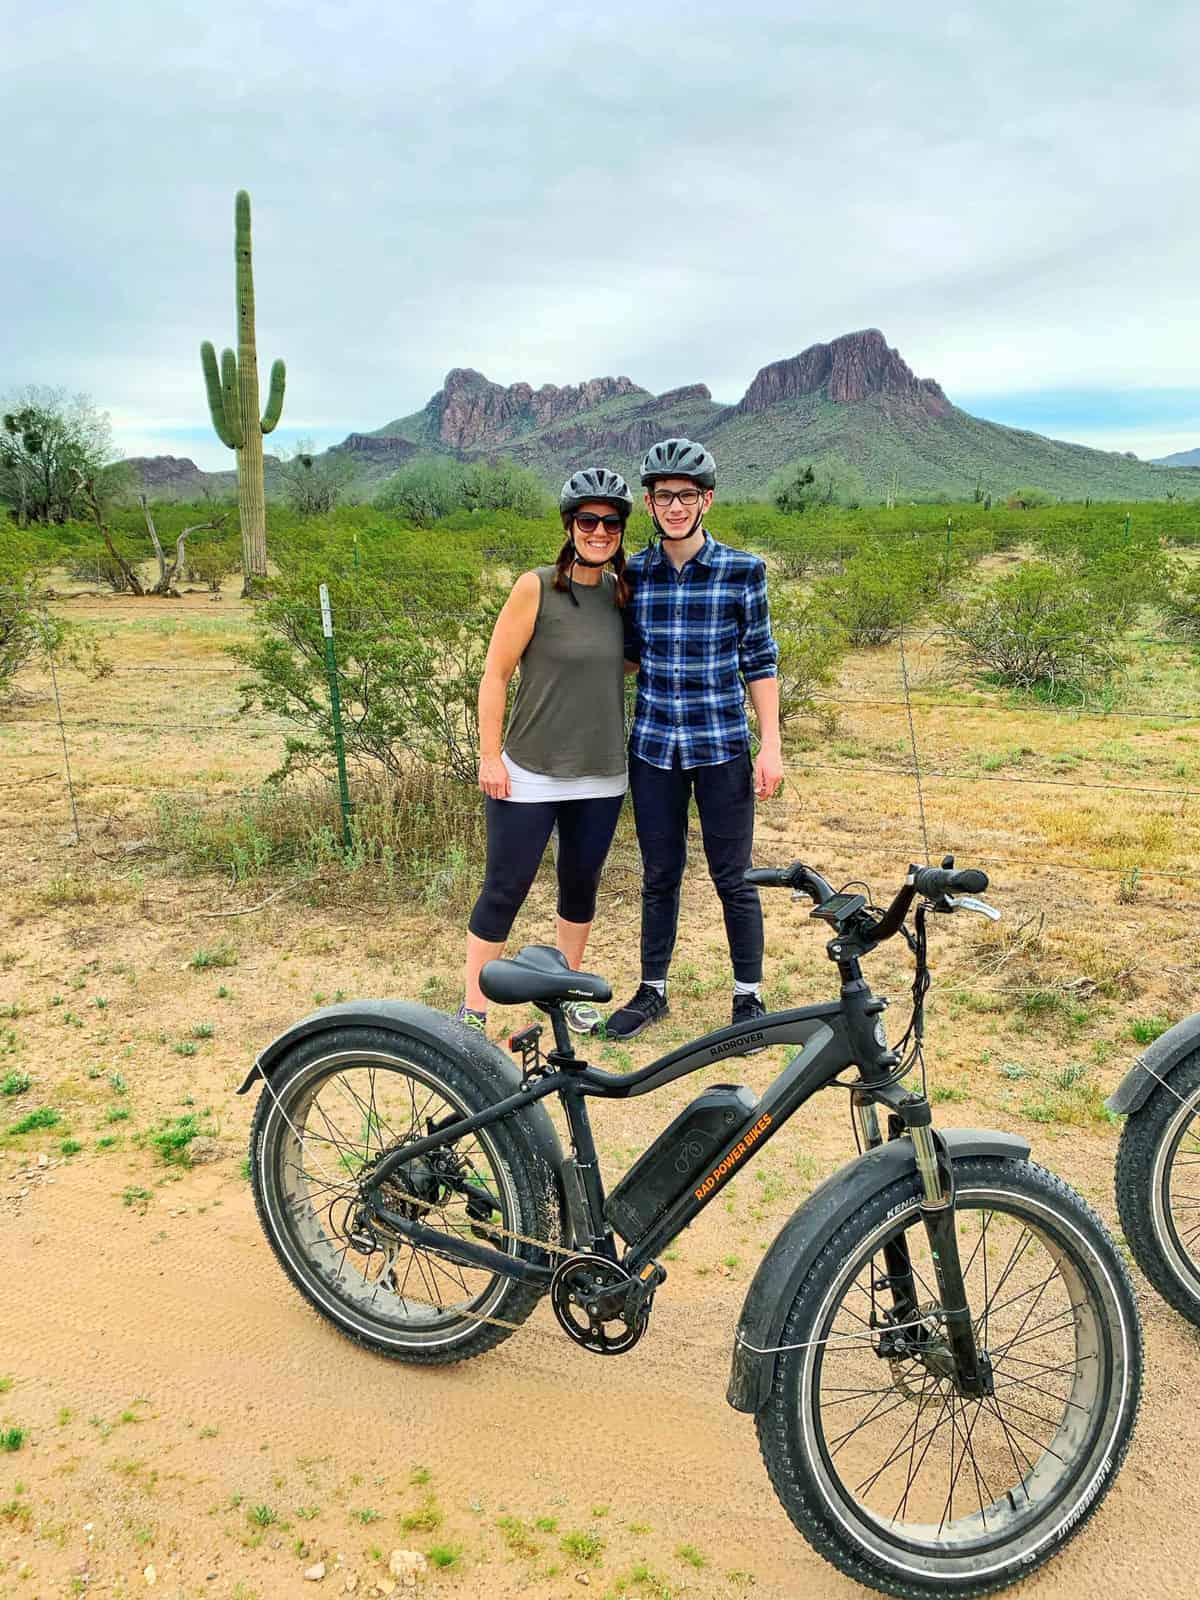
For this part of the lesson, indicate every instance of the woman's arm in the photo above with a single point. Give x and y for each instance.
(510, 637)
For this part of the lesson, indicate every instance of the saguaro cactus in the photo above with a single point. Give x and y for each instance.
(233, 402)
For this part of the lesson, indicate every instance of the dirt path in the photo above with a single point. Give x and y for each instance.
(237, 1393)
(182, 1410)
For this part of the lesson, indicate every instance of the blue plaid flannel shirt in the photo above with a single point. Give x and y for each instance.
(699, 636)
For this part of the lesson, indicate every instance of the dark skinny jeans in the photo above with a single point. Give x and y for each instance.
(725, 801)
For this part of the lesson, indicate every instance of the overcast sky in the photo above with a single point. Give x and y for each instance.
(551, 192)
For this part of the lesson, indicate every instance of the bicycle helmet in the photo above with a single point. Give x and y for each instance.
(595, 483)
(679, 458)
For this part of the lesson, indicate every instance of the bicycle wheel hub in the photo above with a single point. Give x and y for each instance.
(599, 1305)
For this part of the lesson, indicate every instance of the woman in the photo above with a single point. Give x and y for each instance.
(563, 760)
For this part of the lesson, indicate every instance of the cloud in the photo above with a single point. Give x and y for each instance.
(548, 193)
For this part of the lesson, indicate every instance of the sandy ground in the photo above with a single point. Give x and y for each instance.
(185, 1417)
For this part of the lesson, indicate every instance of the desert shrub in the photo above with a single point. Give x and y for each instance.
(810, 646)
(211, 561)
(431, 487)
(881, 589)
(410, 644)
(1181, 606)
(1037, 628)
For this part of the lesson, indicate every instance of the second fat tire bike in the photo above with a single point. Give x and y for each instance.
(1158, 1164)
(940, 1350)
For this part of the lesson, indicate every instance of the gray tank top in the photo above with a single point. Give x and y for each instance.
(568, 717)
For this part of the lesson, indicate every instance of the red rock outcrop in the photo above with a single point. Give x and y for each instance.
(848, 369)
(472, 413)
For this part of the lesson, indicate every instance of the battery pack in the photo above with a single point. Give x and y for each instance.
(680, 1154)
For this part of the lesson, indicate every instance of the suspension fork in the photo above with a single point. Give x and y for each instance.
(973, 1374)
(899, 1280)
(972, 1367)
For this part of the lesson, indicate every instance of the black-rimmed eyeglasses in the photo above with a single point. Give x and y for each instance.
(687, 497)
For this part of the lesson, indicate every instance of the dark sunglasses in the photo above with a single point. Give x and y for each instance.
(588, 522)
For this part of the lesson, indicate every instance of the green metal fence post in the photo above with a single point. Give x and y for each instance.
(335, 706)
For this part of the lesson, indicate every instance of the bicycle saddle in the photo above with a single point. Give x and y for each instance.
(540, 973)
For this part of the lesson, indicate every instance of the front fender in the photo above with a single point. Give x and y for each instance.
(1156, 1061)
(407, 1019)
(809, 1229)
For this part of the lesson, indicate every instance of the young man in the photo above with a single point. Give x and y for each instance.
(698, 629)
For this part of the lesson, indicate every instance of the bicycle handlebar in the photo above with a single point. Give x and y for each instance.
(933, 883)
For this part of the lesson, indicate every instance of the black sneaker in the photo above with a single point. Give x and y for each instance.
(646, 1007)
(745, 1008)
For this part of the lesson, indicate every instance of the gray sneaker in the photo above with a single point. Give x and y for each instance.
(581, 1016)
(471, 1019)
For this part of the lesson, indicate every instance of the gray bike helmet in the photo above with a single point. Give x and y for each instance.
(595, 483)
(679, 458)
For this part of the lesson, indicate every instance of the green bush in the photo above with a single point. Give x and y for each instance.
(410, 646)
(1037, 629)
(1181, 606)
(430, 487)
(810, 646)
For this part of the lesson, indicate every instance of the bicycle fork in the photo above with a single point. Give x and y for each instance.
(972, 1370)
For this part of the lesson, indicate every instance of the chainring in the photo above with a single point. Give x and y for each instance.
(598, 1304)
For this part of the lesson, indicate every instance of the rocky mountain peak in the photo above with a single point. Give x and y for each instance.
(848, 369)
(471, 412)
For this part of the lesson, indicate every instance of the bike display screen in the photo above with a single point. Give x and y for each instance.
(838, 907)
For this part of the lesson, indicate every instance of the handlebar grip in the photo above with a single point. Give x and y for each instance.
(768, 877)
(934, 882)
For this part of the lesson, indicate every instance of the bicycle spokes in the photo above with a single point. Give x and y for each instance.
(902, 1441)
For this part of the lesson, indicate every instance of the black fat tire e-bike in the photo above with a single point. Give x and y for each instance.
(1158, 1164)
(941, 1348)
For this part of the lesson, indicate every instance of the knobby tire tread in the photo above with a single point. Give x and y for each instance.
(1141, 1137)
(534, 1185)
(793, 1481)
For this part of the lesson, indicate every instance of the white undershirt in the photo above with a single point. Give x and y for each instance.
(527, 788)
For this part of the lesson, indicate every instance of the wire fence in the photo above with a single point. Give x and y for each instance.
(919, 719)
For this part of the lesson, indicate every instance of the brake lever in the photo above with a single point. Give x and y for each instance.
(968, 902)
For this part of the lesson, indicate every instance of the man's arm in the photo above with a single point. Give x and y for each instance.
(768, 769)
(757, 657)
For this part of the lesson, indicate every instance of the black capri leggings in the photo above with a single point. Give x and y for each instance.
(517, 835)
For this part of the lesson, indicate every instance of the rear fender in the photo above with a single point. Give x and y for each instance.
(806, 1234)
(1156, 1062)
(408, 1020)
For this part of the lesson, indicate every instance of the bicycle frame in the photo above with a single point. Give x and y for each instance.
(833, 1036)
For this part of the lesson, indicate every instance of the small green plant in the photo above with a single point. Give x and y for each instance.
(172, 1139)
(546, 1524)
(444, 1555)
(693, 1557)
(108, 1142)
(219, 956)
(116, 1082)
(583, 1546)
(419, 1476)
(517, 1537)
(427, 1520)
(12, 1439)
(366, 1515)
(307, 1513)
(184, 1047)
(15, 1083)
(70, 1147)
(203, 1030)
(6, 1384)
(137, 1199)
(117, 1114)
(262, 1516)
(1144, 1030)
(947, 1094)
(223, 993)
(43, 1117)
